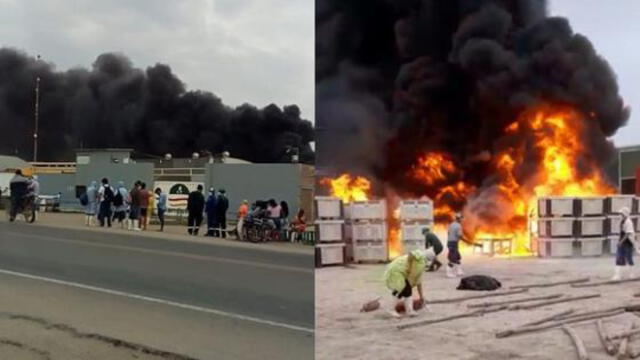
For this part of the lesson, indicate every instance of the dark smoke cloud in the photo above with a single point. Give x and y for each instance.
(450, 76)
(115, 104)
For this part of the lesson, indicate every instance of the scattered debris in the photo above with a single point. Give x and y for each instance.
(560, 322)
(372, 305)
(556, 316)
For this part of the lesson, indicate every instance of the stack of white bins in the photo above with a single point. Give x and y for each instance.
(581, 226)
(614, 218)
(330, 246)
(415, 216)
(556, 231)
(366, 231)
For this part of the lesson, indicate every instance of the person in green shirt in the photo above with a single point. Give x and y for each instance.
(402, 275)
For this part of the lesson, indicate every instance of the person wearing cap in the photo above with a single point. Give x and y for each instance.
(195, 208)
(432, 242)
(454, 235)
(402, 275)
(222, 205)
(210, 209)
(626, 243)
(243, 210)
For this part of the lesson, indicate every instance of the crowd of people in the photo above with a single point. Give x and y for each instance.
(130, 208)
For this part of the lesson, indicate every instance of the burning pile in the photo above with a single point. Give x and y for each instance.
(481, 106)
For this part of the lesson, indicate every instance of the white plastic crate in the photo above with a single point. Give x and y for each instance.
(329, 230)
(555, 247)
(616, 202)
(367, 250)
(412, 231)
(366, 210)
(591, 226)
(556, 227)
(366, 231)
(330, 254)
(592, 206)
(328, 207)
(553, 206)
(591, 246)
(416, 210)
(410, 245)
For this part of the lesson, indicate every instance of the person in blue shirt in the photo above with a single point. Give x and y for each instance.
(161, 205)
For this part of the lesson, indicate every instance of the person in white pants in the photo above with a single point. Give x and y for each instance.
(626, 244)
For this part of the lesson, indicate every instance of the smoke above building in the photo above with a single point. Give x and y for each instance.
(114, 104)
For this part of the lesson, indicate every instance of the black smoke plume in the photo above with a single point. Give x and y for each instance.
(396, 79)
(115, 104)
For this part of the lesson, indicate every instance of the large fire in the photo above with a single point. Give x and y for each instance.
(551, 136)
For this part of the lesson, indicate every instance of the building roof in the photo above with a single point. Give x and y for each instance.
(11, 163)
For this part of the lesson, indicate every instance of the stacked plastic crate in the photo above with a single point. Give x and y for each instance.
(415, 216)
(590, 225)
(330, 246)
(614, 218)
(556, 233)
(366, 231)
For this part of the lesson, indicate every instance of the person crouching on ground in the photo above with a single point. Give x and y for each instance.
(626, 243)
(432, 242)
(401, 276)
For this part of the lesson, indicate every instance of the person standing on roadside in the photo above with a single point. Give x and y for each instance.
(90, 201)
(161, 200)
(243, 211)
(106, 195)
(134, 207)
(210, 210)
(120, 204)
(222, 205)
(195, 208)
(144, 205)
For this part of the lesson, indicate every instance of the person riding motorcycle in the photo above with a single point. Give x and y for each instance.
(19, 187)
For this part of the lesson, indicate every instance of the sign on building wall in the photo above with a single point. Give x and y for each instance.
(178, 192)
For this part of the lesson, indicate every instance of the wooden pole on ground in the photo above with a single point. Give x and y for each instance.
(551, 302)
(453, 317)
(579, 344)
(608, 282)
(549, 284)
(464, 298)
(518, 331)
(624, 344)
(487, 304)
(549, 318)
(609, 346)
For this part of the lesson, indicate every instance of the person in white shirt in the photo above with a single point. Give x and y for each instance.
(626, 243)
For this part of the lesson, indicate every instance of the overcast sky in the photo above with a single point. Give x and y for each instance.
(256, 51)
(614, 29)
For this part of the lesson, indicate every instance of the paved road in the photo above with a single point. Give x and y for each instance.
(269, 290)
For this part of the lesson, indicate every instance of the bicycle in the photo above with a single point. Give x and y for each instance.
(27, 207)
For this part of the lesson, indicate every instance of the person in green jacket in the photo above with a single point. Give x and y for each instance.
(402, 275)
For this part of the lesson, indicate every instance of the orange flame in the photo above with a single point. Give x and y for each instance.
(348, 188)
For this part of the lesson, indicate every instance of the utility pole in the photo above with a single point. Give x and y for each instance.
(37, 114)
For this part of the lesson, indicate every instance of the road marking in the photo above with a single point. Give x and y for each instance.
(167, 253)
(160, 301)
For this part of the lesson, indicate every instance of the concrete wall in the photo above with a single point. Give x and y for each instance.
(52, 184)
(262, 182)
(128, 173)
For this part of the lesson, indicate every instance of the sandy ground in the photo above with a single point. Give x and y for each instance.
(343, 332)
